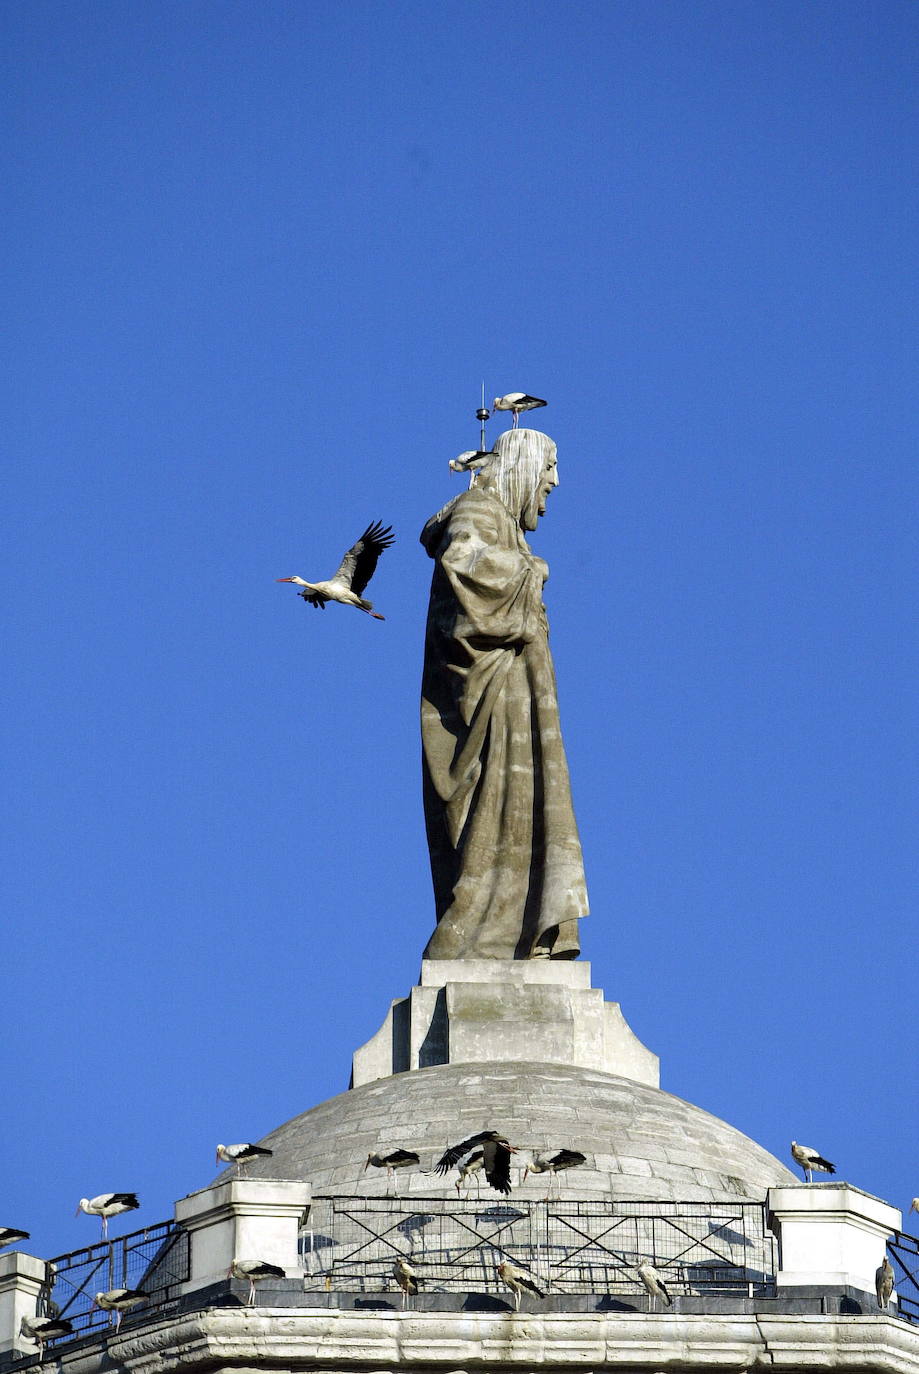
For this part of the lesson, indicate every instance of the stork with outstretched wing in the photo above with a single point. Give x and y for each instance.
(357, 567)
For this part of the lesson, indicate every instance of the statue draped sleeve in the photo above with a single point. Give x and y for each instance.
(505, 856)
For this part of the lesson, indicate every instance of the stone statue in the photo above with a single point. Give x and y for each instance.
(505, 855)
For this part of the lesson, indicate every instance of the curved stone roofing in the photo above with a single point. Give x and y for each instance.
(640, 1142)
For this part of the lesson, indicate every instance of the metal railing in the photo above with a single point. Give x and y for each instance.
(904, 1256)
(570, 1246)
(154, 1260)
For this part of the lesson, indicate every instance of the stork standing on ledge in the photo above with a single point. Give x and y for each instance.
(254, 1271)
(654, 1284)
(119, 1301)
(42, 1329)
(810, 1160)
(517, 401)
(107, 1205)
(356, 569)
(241, 1155)
(518, 1280)
(406, 1278)
(9, 1235)
(496, 1158)
(883, 1283)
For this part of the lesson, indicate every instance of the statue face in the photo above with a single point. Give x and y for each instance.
(536, 506)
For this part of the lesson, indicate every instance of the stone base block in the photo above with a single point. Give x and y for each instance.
(489, 1011)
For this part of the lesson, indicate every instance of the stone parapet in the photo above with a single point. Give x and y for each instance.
(22, 1278)
(245, 1219)
(830, 1235)
(227, 1338)
(499, 1011)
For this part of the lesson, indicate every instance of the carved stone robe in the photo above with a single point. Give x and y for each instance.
(505, 855)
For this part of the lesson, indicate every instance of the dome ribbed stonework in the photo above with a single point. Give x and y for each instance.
(640, 1142)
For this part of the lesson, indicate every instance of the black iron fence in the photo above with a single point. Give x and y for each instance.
(904, 1256)
(154, 1260)
(352, 1243)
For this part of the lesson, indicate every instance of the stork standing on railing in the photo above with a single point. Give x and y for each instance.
(554, 1164)
(120, 1300)
(396, 1159)
(107, 1205)
(470, 1167)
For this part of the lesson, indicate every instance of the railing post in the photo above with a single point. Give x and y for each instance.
(22, 1278)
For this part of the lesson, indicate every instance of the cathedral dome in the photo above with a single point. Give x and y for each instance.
(640, 1142)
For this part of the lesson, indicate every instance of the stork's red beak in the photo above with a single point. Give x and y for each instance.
(283, 579)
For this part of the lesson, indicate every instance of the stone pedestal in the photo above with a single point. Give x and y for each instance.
(22, 1278)
(488, 1011)
(830, 1235)
(245, 1219)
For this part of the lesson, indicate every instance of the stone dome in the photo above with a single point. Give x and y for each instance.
(640, 1142)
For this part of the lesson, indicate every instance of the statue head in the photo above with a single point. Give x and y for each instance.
(522, 473)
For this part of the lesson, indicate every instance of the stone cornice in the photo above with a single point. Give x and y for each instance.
(337, 1340)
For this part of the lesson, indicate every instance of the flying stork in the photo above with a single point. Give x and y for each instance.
(496, 1157)
(253, 1271)
(356, 569)
(517, 401)
(107, 1205)
(810, 1160)
(517, 1279)
(119, 1301)
(241, 1155)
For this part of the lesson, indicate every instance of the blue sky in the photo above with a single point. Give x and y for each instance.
(257, 260)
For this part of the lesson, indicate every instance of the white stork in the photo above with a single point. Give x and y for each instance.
(396, 1159)
(471, 1166)
(496, 1158)
(42, 1329)
(810, 1160)
(9, 1235)
(554, 1164)
(517, 1279)
(254, 1271)
(883, 1282)
(241, 1154)
(517, 401)
(356, 569)
(107, 1205)
(654, 1283)
(914, 1205)
(119, 1301)
(406, 1278)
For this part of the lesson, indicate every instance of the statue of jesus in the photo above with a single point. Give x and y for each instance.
(505, 855)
